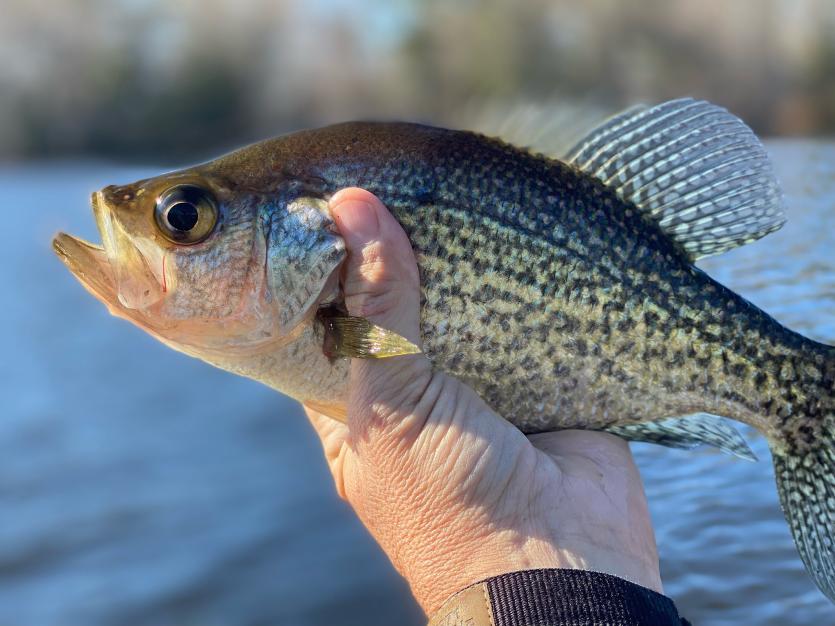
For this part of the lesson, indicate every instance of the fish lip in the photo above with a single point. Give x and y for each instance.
(104, 223)
(90, 263)
(87, 262)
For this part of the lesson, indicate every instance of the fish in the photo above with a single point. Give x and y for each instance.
(561, 287)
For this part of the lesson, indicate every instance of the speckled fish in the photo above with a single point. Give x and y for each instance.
(563, 291)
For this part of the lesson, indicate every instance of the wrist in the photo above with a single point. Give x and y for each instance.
(455, 567)
(451, 569)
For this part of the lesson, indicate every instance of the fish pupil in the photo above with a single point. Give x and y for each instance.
(182, 216)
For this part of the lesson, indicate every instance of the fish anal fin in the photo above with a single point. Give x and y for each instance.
(688, 431)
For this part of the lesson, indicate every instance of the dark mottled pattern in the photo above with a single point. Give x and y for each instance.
(562, 305)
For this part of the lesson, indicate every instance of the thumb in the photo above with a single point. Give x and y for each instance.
(380, 279)
(381, 283)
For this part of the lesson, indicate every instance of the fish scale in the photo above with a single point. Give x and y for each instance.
(568, 270)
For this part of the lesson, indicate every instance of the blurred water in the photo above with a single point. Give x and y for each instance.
(138, 486)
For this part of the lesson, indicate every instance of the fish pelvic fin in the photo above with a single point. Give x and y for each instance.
(688, 431)
(693, 167)
(804, 468)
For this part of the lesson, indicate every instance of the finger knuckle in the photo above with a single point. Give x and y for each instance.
(374, 288)
(372, 303)
(381, 259)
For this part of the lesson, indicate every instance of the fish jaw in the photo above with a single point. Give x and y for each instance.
(119, 271)
(90, 265)
(321, 382)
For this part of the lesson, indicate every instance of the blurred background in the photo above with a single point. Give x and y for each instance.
(138, 486)
(147, 80)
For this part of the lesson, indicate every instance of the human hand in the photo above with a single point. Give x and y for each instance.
(452, 492)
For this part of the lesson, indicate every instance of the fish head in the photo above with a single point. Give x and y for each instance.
(209, 266)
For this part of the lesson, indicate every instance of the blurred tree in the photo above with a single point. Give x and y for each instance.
(173, 81)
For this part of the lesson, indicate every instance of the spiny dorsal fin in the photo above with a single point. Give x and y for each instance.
(697, 169)
(550, 126)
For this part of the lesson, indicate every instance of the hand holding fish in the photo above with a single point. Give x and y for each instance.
(451, 491)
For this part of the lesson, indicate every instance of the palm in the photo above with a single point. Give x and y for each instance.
(476, 485)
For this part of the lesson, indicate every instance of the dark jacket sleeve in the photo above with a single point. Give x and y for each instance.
(557, 597)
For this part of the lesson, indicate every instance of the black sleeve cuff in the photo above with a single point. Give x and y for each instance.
(546, 597)
(557, 597)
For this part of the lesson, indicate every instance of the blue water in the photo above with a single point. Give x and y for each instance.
(139, 486)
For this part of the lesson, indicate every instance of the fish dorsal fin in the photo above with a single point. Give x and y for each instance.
(691, 165)
(549, 127)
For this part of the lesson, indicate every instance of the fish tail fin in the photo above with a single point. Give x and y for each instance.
(804, 468)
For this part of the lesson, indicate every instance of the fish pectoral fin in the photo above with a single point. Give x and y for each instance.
(688, 431)
(693, 167)
(359, 338)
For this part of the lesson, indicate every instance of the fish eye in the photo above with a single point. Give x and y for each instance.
(186, 214)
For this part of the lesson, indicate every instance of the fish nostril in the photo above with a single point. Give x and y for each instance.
(115, 193)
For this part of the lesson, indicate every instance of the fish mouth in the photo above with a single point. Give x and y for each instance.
(113, 271)
(88, 263)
